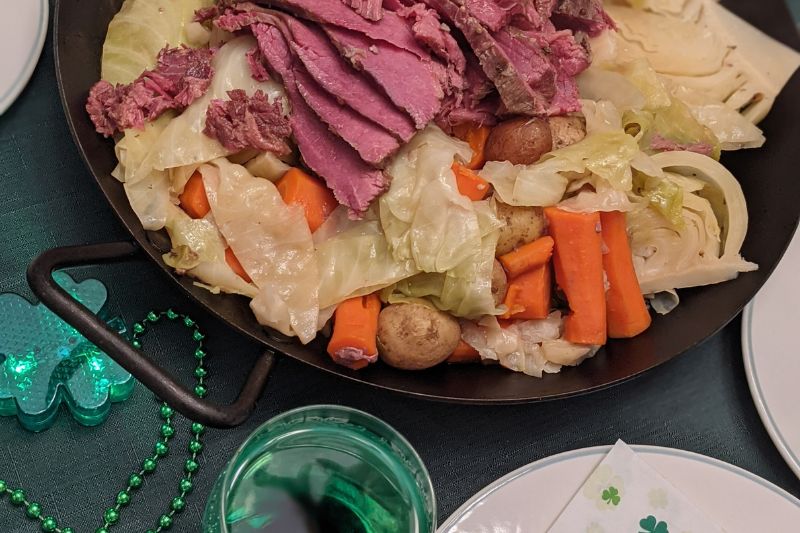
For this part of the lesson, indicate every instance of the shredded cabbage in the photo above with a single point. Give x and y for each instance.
(354, 258)
(424, 217)
(273, 244)
(183, 141)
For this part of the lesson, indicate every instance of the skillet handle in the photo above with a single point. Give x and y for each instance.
(137, 363)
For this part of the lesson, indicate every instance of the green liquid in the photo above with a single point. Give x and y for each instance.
(322, 481)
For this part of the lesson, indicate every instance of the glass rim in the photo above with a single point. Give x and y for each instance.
(230, 467)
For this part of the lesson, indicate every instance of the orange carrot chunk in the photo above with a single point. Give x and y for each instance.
(464, 353)
(625, 308)
(528, 295)
(236, 266)
(469, 183)
(193, 199)
(355, 332)
(578, 262)
(297, 187)
(528, 256)
(476, 135)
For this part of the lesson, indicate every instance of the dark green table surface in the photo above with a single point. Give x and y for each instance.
(699, 402)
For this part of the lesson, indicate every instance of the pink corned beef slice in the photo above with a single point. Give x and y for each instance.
(248, 122)
(353, 182)
(369, 9)
(180, 77)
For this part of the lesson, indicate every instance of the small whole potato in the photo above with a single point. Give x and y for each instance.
(566, 130)
(415, 336)
(522, 225)
(499, 283)
(522, 141)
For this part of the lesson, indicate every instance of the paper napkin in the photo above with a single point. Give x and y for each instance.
(626, 495)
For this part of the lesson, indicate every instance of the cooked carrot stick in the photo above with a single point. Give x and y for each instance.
(297, 187)
(464, 353)
(528, 295)
(469, 183)
(528, 256)
(626, 311)
(476, 135)
(355, 332)
(578, 262)
(193, 198)
(236, 266)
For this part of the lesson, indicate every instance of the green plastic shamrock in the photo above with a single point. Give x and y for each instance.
(652, 525)
(611, 496)
(44, 361)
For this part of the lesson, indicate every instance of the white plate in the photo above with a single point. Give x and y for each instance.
(23, 27)
(528, 500)
(771, 355)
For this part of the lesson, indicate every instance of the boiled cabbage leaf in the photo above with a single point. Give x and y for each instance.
(354, 258)
(198, 250)
(424, 217)
(273, 244)
(148, 190)
(466, 289)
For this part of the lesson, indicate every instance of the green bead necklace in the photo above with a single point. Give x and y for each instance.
(111, 516)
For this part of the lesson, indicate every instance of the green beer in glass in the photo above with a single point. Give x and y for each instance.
(323, 469)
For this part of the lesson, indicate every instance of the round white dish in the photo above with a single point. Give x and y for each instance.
(23, 28)
(529, 499)
(771, 358)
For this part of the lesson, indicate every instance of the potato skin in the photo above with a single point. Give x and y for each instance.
(415, 336)
(566, 130)
(522, 225)
(522, 141)
(499, 283)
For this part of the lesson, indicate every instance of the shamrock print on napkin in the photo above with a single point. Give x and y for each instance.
(626, 495)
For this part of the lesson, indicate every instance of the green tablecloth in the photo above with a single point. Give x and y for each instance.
(699, 402)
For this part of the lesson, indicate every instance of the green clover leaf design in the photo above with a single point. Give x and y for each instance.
(652, 525)
(611, 496)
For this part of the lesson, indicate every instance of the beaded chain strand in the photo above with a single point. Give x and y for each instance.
(111, 516)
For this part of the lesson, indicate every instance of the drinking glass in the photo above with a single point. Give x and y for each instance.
(323, 469)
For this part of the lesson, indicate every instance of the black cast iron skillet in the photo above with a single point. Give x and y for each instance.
(769, 178)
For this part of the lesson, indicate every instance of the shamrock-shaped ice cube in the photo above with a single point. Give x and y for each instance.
(44, 361)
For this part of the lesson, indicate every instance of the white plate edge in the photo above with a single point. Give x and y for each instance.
(758, 397)
(600, 451)
(33, 59)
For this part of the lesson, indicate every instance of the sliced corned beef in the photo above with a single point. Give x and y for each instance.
(413, 84)
(471, 104)
(490, 13)
(582, 15)
(353, 182)
(373, 143)
(181, 75)
(248, 122)
(517, 96)
(531, 63)
(428, 29)
(390, 28)
(324, 63)
(369, 9)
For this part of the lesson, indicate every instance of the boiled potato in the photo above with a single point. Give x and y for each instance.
(566, 130)
(522, 141)
(499, 283)
(415, 336)
(522, 225)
